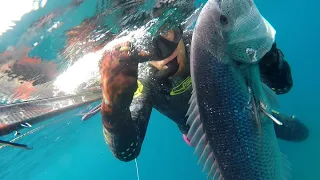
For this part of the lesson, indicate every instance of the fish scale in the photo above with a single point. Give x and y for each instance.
(236, 146)
(233, 139)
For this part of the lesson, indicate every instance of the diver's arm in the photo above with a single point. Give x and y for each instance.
(125, 116)
(276, 71)
(124, 130)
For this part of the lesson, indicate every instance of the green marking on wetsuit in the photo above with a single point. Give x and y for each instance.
(182, 87)
(139, 90)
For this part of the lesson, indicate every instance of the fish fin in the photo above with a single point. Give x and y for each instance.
(286, 167)
(271, 96)
(260, 93)
(214, 173)
(263, 98)
(198, 139)
(262, 104)
(273, 103)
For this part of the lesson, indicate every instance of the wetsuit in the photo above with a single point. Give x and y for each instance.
(124, 129)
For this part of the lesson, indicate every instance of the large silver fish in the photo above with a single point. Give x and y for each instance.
(230, 124)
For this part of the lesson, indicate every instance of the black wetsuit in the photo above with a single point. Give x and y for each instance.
(170, 97)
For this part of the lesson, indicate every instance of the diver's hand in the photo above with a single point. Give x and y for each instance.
(119, 72)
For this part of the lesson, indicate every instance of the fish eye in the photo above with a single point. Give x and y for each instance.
(223, 20)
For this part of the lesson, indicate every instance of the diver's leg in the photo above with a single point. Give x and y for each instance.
(291, 130)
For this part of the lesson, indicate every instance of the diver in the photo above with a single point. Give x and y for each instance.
(132, 89)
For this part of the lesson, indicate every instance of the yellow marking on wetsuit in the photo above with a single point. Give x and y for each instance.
(182, 87)
(139, 90)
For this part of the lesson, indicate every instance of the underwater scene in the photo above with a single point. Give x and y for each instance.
(159, 89)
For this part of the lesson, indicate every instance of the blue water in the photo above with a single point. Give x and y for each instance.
(72, 149)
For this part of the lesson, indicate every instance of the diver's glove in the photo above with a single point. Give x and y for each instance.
(291, 130)
(119, 72)
(275, 71)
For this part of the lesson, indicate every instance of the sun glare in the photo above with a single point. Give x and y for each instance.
(84, 70)
(12, 11)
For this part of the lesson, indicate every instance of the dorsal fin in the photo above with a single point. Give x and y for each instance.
(198, 139)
